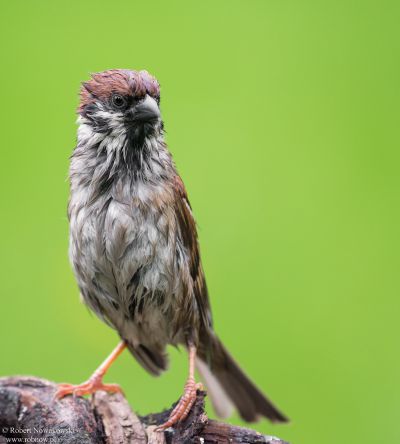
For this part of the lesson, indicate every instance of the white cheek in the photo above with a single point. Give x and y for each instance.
(86, 134)
(114, 120)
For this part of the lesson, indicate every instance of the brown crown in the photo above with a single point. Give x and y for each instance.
(122, 81)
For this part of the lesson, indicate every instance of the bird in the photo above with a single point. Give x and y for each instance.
(134, 248)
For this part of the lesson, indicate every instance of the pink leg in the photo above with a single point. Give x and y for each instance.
(95, 382)
(182, 409)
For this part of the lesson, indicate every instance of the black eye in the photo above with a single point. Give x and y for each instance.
(118, 101)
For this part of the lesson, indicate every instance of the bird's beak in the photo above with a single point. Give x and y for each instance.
(146, 110)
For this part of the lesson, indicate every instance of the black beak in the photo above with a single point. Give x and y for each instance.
(145, 111)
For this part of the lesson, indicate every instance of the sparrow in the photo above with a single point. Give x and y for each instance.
(134, 247)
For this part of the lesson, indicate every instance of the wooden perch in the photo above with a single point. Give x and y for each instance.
(29, 413)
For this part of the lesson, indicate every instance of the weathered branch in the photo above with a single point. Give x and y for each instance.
(29, 413)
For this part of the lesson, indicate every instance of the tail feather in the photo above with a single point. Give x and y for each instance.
(223, 406)
(238, 388)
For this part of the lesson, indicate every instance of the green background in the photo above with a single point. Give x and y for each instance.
(282, 117)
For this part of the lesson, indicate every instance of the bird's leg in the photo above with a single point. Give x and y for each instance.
(95, 382)
(182, 409)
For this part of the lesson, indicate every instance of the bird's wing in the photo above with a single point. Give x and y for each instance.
(188, 231)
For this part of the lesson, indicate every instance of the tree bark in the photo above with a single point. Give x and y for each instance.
(29, 413)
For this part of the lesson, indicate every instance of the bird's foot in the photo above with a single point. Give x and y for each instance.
(182, 409)
(89, 387)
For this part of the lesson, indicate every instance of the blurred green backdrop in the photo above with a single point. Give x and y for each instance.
(283, 120)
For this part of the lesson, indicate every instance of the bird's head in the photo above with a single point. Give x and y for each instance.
(123, 103)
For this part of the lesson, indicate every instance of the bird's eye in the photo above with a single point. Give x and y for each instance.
(118, 101)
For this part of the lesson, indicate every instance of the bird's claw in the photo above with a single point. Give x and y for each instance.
(87, 388)
(185, 403)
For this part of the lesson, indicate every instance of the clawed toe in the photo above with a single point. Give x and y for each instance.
(87, 388)
(182, 409)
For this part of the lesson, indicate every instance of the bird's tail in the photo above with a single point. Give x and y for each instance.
(228, 386)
